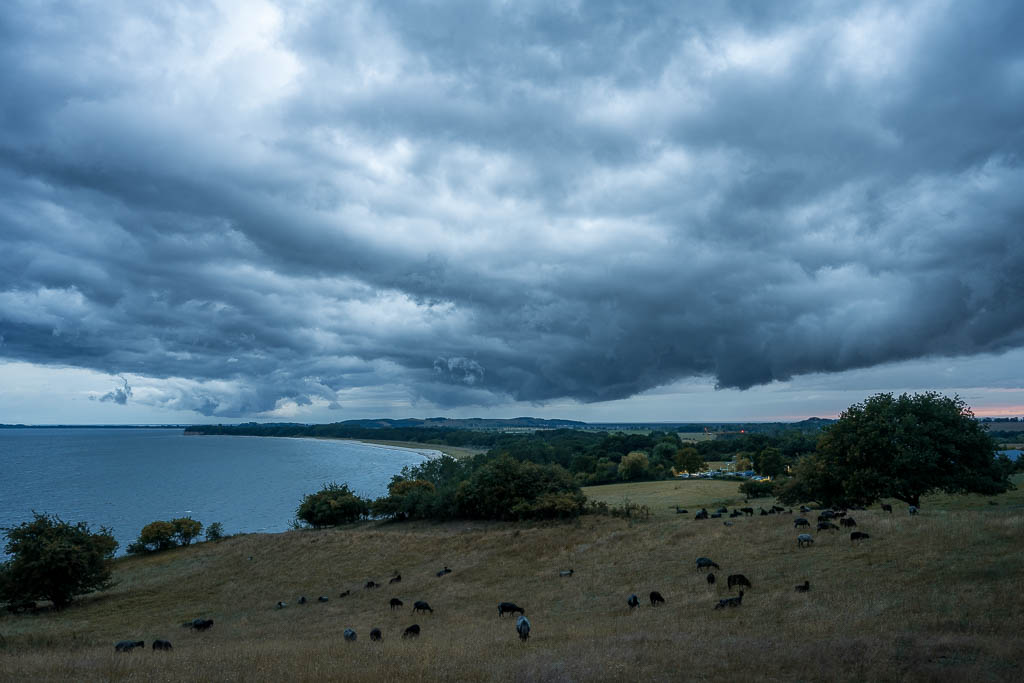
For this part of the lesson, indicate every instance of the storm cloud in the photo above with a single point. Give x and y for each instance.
(248, 205)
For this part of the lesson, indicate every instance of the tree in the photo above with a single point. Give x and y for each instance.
(508, 489)
(186, 529)
(903, 448)
(158, 535)
(214, 531)
(633, 466)
(55, 560)
(770, 462)
(688, 459)
(331, 505)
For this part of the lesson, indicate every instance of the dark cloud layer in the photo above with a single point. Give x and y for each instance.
(481, 202)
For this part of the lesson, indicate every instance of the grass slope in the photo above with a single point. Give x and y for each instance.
(937, 596)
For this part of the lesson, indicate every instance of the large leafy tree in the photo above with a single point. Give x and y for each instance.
(55, 560)
(331, 505)
(900, 447)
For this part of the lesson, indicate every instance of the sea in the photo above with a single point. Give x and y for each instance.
(125, 478)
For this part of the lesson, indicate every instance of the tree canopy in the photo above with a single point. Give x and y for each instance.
(55, 560)
(899, 447)
(331, 505)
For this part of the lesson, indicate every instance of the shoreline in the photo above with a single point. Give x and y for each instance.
(427, 450)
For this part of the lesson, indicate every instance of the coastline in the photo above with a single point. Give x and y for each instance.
(427, 450)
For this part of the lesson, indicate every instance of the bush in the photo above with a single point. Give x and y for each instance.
(334, 504)
(507, 489)
(407, 499)
(214, 531)
(155, 536)
(757, 489)
(186, 529)
(54, 560)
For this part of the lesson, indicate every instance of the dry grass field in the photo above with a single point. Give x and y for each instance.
(932, 597)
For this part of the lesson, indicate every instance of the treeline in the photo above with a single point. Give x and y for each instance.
(591, 457)
(487, 488)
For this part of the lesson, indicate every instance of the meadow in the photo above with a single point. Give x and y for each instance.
(936, 596)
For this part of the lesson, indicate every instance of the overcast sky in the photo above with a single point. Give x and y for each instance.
(218, 211)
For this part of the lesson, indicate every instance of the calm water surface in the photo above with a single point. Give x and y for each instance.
(126, 478)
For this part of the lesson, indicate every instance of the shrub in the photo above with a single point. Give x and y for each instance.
(54, 560)
(334, 504)
(407, 499)
(158, 535)
(507, 489)
(214, 531)
(186, 529)
(634, 466)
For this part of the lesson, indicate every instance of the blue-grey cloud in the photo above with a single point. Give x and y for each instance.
(280, 203)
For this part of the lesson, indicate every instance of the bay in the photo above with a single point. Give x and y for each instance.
(124, 478)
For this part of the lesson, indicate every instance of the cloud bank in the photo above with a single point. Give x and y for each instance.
(264, 205)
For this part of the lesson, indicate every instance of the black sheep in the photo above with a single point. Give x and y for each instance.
(656, 599)
(395, 602)
(633, 601)
(509, 608)
(162, 645)
(412, 631)
(375, 634)
(129, 645)
(737, 580)
(421, 606)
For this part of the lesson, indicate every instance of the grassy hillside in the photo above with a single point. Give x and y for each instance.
(938, 596)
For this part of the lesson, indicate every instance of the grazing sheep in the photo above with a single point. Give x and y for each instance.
(199, 624)
(913, 509)
(858, 535)
(395, 602)
(421, 606)
(565, 573)
(749, 512)
(887, 508)
(681, 511)
(656, 599)
(735, 513)
(825, 516)
(349, 635)
(633, 601)
(372, 584)
(737, 580)
(826, 526)
(162, 645)
(730, 602)
(412, 632)
(375, 634)
(281, 604)
(444, 571)
(801, 521)
(344, 594)
(727, 523)
(701, 514)
(804, 540)
(778, 509)
(804, 587)
(322, 598)
(804, 509)
(129, 645)
(509, 608)
(302, 600)
(764, 513)
(397, 578)
(711, 579)
(705, 562)
(847, 522)
(523, 627)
